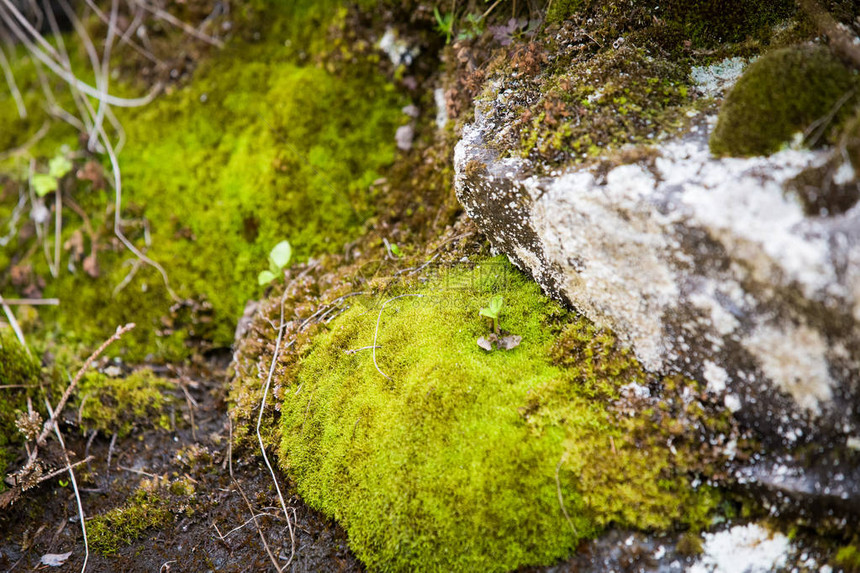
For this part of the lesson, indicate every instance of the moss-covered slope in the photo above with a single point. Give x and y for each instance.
(269, 142)
(450, 458)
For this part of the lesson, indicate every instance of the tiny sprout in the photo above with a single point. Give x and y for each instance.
(278, 259)
(493, 310)
(497, 340)
(444, 24)
(44, 183)
(395, 250)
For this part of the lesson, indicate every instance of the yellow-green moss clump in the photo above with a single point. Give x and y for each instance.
(18, 370)
(455, 459)
(118, 405)
(848, 558)
(781, 94)
(267, 143)
(153, 505)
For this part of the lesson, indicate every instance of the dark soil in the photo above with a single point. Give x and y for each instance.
(46, 519)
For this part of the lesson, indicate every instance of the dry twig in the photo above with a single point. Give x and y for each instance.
(74, 486)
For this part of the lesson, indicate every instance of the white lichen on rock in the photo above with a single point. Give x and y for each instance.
(705, 266)
(743, 549)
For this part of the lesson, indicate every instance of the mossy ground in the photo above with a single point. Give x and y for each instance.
(455, 458)
(119, 405)
(601, 76)
(153, 505)
(19, 375)
(268, 143)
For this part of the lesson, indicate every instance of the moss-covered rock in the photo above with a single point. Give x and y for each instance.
(704, 22)
(439, 456)
(785, 92)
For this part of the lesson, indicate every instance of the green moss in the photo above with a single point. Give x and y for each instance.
(18, 369)
(783, 93)
(117, 405)
(848, 558)
(454, 458)
(269, 142)
(109, 532)
(621, 97)
(704, 22)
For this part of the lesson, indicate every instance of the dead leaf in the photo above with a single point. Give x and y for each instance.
(91, 265)
(92, 171)
(487, 343)
(75, 245)
(55, 559)
(509, 342)
(493, 342)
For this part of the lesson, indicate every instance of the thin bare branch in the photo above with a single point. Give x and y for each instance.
(16, 328)
(74, 486)
(47, 60)
(13, 86)
(173, 20)
(120, 331)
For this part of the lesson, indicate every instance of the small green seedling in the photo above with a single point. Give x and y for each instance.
(395, 250)
(44, 183)
(500, 340)
(278, 259)
(444, 24)
(493, 310)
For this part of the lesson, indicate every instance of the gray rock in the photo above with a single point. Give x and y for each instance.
(706, 267)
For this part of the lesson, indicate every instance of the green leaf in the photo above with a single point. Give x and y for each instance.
(496, 304)
(59, 166)
(44, 184)
(489, 313)
(280, 255)
(265, 277)
(396, 250)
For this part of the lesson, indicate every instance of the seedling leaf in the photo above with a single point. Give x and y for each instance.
(281, 254)
(494, 308)
(496, 304)
(44, 184)
(265, 277)
(59, 166)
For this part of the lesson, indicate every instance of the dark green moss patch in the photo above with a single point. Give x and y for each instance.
(152, 506)
(703, 22)
(451, 458)
(783, 93)
(18, 371)
(848, 558)
(118, 405)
